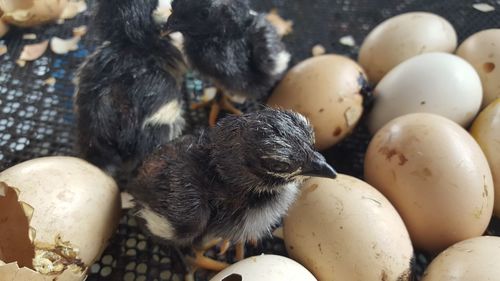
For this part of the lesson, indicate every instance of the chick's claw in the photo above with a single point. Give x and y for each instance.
(218, 103)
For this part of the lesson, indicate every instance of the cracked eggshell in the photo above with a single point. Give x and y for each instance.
(265, 267)
(28, 13)
(470, 260)
(438, 83)
(71, 198)
(327, 90)
(436, 176)
(344, 229)
(402, 37)
(482, 50)
(4, 28)
(486, 131)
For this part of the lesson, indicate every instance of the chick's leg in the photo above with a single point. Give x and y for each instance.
(218, 103)
(200, 261)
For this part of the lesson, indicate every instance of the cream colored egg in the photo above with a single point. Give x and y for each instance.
(438, 83)
(344, 229)
(265, 267)
(28, 13)
(486, 131)
(69, 204)
(402, 37)
(470, 260)
(436, 176)
(326, 89)
(482, 50)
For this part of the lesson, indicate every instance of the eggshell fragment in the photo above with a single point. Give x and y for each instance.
(4, 28)
(28, 13)
(402, 37)
(327, 90)
(344, 229)
(436, 176)
(64, 46)
(470, 260)
(265, 267)
(486, 131)
(438, 83)
(33, 51)
(75, 206)
(482, 50)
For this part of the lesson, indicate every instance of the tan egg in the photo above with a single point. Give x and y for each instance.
(482, 50)
(344, 229)
(402, 37)
(486, 131)
(265, 267)
(470, 260)
(27, 13)
(55, 208)
(436, 176)
(326, 89)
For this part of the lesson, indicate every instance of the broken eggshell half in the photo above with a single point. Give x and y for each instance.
(56, 216)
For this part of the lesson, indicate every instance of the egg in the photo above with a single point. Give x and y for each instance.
(55, 202)
(326, 89)
(438, 83)
(265, 267)
(28, 13)
(470, 260)
(4, 28)
(486, 131)
(344, 229)
(482, 50)
(436, 176)
(402, 37)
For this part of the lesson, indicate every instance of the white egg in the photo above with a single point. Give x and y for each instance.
(438, 83)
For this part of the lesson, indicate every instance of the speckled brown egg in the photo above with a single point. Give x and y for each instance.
(326, 89)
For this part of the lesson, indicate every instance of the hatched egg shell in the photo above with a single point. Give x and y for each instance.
(436, 176)
(265, 267)
(482, 50)
(486, 131)
(438, 83)
(28, 13)
(4, 27)
(70, 198)
(344, 229)
(402, 37)
(326, 89)
(470, 260)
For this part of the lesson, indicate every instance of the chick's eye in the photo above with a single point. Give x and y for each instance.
(278, 166)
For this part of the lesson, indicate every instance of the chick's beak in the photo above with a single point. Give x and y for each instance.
(318, 167)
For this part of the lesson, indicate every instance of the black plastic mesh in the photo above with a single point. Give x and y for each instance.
(37, 119)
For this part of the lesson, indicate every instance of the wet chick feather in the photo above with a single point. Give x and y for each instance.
(234, 181)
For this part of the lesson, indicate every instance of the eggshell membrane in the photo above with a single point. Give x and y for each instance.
(470, 260)
(436, 176)
(438, 83)
(70, 198)
(344, 229)
(265, 267)
(482, 50)
(325, 89)
(28, 13)
(486, 131)
(402, 37)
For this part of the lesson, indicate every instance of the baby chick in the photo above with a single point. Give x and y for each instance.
(234, 181)
(231, 44)
(128, 97)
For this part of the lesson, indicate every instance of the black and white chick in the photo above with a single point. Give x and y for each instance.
(128, 97)
(237, 48)
(234, 181)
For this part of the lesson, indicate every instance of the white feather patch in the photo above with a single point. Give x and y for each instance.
(156, 224)
(281, 63)
(166, 115)
(162, 12)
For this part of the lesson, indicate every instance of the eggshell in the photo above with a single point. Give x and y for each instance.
(28, 13)
(344, 229)
(436, 176)
(470, 260)
(402, 37)
(265, 267)
(326, 89)
(486, 131)
(4, 28)
(482, 50)
(437, 83)
(65, 197)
